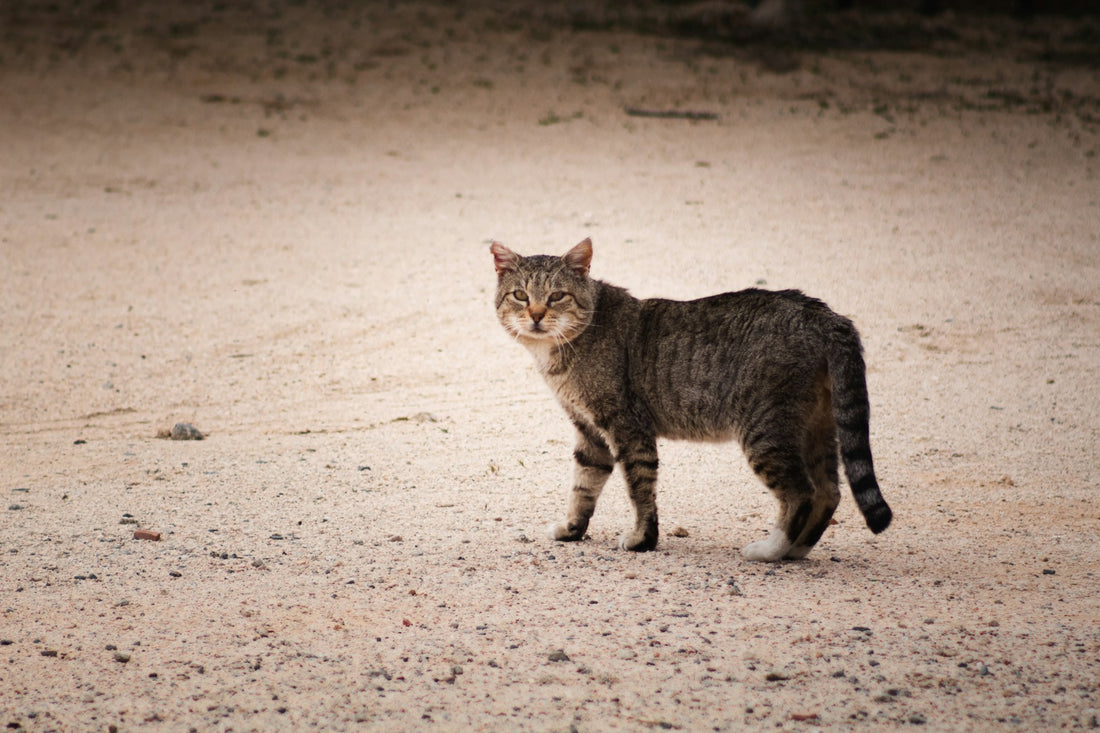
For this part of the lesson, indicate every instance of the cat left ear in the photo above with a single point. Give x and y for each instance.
(579, 258)
(504, 259)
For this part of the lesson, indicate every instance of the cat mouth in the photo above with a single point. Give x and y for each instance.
(537, 332)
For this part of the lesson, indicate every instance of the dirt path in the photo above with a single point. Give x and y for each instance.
(274, 226)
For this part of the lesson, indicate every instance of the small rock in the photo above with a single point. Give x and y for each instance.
(776, 677)
(175, 573)
(679, 532)
(917, 719)
(558, 655)
(1048, 571)
(734, 589)
(181, 431)
(19, 507)
(146, 534)
(48, 652)
(123, 657)
(395, 538)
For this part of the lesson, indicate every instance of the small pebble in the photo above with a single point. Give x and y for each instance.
(917, 719)
(185, 431)
(679, 532)
(123, 657)
(558, 655)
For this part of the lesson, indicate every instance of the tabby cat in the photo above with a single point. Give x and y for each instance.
(778, 371)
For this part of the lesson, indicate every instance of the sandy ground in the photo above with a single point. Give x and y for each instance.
(273, 225)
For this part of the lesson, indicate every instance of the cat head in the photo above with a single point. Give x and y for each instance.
(544, 299)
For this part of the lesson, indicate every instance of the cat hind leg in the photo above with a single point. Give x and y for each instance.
(785, 474)
(774, 548)
(822, 460)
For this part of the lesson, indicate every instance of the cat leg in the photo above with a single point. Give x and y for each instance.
(783, 471)
(639, 460)
(822, 463)
(593, 464)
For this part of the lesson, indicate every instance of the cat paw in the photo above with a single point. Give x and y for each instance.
(797, 553)
(773, 549)
(560, 532)
(637, 541)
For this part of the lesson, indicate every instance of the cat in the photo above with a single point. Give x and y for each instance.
(777, 371)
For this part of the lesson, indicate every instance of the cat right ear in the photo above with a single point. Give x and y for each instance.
(504, 259)
(579, 258)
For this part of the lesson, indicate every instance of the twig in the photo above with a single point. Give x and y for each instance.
(671, 114)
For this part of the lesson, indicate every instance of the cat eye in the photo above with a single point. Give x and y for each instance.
(556, 296)
(519, 295)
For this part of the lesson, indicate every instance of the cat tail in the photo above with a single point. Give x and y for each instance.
(852, 412)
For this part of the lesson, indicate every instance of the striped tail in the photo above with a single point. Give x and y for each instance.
(852, 413)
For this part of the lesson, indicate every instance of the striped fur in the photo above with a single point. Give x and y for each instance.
(779, 372)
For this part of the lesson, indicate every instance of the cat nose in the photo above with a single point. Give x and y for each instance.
(537, 313)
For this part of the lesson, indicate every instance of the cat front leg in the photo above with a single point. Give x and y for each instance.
(593, 464)
(639, 461)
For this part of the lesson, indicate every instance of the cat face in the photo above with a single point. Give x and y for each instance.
(544, 299)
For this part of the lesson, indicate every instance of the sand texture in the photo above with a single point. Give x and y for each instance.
(272, 223)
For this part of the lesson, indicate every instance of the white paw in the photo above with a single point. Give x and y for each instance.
(557, 530)
(770, 550)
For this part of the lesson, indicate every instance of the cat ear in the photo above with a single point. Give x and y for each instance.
(579, 258)
(504, 259)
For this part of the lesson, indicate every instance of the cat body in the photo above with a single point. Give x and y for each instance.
(779, 372)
